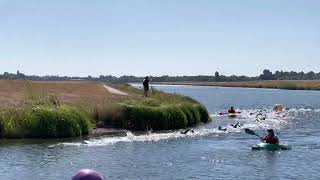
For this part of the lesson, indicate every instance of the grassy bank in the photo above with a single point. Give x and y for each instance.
(272, 84)
(43, 122)
(160, 111)
(41, 115)
(69, 109)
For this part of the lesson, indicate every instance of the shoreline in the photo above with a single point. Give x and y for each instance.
(269, 84)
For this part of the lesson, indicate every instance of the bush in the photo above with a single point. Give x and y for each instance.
(160, 111)
(142, 117)
(204, 114)
(43, 122)
(59, 122)
(176, 117)
(110, 114)
(11, 123)
(192, 114)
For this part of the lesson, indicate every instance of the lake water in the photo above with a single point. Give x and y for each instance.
(205, 154)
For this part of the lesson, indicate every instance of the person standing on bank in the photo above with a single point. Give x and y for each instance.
(146, 86)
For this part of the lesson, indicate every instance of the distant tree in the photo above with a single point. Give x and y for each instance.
(267, 75)
(311, 75)
(217, 76)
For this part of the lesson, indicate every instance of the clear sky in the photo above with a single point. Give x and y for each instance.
(158, 37)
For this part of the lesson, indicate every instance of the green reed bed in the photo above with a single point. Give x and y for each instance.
(43, 122)
(160, 111)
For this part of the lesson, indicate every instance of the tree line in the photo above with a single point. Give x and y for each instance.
(266, 75)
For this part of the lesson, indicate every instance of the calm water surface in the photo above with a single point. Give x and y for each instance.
(206, 154)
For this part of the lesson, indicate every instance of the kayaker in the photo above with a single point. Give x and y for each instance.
(146, 85)
(271, 138)
(231, 110)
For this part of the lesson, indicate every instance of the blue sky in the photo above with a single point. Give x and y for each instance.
(158, 37)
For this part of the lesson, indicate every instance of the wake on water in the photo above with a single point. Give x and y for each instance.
(248, 119)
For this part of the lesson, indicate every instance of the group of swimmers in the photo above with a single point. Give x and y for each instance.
(270, 138)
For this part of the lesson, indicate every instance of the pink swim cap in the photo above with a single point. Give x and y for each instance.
(87, 174)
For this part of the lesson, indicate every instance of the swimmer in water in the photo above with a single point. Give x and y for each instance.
(222, 129)
(237, 125)
(186, 131)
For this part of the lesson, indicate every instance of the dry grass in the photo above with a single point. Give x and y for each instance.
(14, 93)
(274, 84)
(50, 109)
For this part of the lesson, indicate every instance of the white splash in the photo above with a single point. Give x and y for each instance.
(247, 118)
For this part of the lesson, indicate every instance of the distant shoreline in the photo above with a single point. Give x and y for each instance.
(269, 84)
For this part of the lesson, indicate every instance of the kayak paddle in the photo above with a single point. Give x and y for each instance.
(251, 132)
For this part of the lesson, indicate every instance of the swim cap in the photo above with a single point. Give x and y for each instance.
(87, 174)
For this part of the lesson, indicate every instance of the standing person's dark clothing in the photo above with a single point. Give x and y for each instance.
(146, 86)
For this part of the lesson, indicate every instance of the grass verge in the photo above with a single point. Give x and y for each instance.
(43, 122)
(160, 111)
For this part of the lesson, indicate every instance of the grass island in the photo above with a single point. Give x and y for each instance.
(61, 109)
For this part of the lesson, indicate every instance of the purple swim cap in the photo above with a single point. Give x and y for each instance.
(87, 174)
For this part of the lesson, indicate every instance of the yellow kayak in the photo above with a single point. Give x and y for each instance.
(232, 115)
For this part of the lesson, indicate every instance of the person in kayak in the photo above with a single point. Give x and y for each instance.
(146, 86)
(271, 138)
(231, 111)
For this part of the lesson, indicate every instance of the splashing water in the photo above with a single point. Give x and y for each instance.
(247, 119)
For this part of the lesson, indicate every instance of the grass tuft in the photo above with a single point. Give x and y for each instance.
(43, 122)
